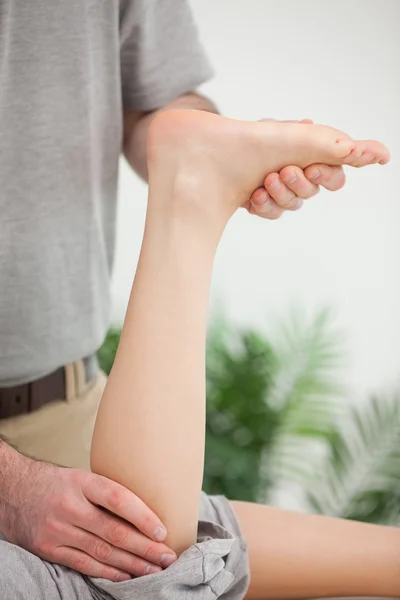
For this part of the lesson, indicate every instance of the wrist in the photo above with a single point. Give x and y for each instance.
(13, 467)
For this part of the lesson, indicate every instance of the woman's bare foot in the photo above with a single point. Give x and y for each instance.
(214, 156)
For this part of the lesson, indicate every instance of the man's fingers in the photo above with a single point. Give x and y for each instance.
(294, 179)
(120, 501)
(331, 178)
(287, 189)
(280, 193)
(117, 534)
(105, 552)
(83, 563)
(262, 205)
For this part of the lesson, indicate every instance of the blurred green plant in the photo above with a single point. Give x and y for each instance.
(361, 478)
(277, 417)
(107, 352)
(240, 425)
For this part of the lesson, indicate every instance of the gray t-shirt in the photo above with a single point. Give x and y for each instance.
(67, 70)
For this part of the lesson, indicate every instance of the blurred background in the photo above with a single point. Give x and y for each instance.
(304, 344)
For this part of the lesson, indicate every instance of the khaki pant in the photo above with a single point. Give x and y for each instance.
(60, 432)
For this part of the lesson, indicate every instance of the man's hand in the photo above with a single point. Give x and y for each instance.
(288, 189)
(81, 520)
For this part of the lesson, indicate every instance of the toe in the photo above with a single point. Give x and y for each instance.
(367, 153)
(385, 158)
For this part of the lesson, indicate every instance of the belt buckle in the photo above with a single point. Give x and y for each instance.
(14, 401)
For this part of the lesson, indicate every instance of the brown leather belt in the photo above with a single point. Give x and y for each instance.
(28, 397)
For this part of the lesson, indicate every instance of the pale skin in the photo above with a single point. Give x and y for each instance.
(202, 168)
(280, 192)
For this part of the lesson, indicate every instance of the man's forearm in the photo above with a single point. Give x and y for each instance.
(136, 127)
(11, 466)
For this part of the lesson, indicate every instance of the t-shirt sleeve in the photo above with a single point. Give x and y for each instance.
(161, 53)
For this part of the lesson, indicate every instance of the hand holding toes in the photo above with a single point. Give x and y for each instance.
(288, 189)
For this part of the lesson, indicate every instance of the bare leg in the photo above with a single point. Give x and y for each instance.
(295, 556)
(150, 430)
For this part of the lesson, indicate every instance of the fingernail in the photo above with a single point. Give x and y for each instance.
(260, 198)
(314, 174)
(123, 577)
(166, 560)
(151, 569)
(160, 534)
(290, 177)
(275, 184)
(298, 204)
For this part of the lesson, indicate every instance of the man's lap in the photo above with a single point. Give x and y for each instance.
(215, 567)
(61, 431)
(23, 575)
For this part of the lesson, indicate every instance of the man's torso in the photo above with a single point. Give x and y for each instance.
(60, 124)
(67, 71)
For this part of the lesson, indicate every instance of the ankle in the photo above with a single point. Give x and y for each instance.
(185, 201)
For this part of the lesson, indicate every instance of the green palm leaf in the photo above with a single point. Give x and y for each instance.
(361, 479)
(307, 394)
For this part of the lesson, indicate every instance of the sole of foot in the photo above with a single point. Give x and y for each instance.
(241, 154)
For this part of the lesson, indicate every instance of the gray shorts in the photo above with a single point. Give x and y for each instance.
(215, 567)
